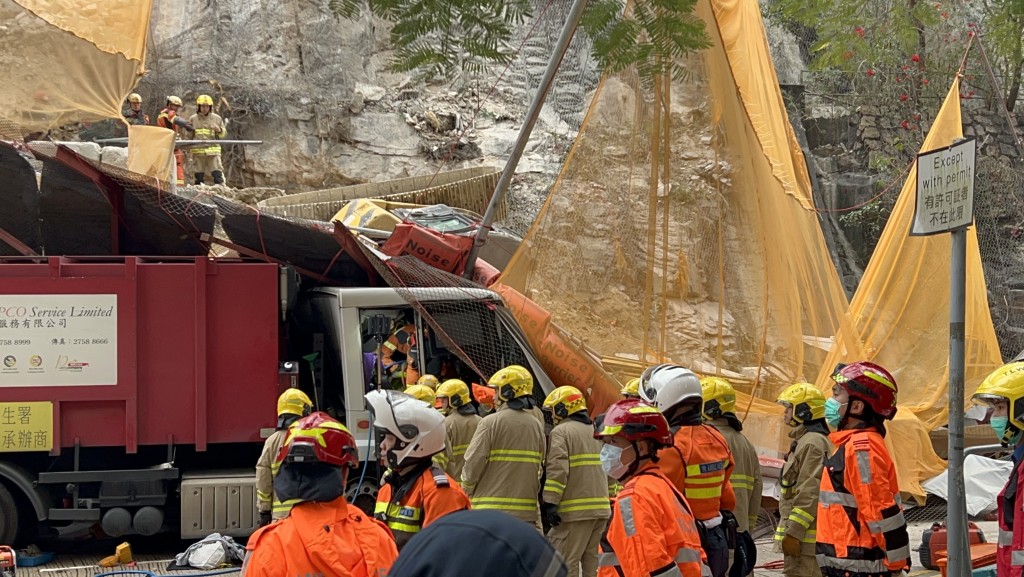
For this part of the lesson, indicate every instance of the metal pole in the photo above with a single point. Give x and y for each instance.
(524, 133)
(956, 511)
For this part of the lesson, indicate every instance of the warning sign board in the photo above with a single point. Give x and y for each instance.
(26, 426)
(945, 189)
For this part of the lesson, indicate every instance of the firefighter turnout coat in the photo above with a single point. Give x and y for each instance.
(459, 426)
(408, 504)
(800, 484)
(504, 464)
(265, 469)
(700, 464)
(652, 531)
(574, 478)
(746, 476)
(861, 529)
(332, 539)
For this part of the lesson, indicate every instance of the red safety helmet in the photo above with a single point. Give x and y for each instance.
(319, 438)
(870, 383)
(633, 420)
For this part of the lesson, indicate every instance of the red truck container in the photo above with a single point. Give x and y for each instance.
(121, 376)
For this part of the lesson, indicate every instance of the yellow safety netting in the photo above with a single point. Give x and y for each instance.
(690, 236)
(66, 61)
(899, 317)
(151, 152)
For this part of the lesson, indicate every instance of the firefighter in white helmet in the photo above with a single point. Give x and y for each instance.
(505, 459)
(417, 492)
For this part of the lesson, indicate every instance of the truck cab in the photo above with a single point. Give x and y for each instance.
(161, 428)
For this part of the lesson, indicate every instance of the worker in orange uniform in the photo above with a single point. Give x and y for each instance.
(575, 498)
(170, 120)
(699, 463)
(460, 423)
(861, 529)
(397, 352)
(1003, 391)
(720, 412)
(292, 405)
(134, 114)
(801, 476)
(417, 492)
(631, 390)
(324, 534)
(505, 458)
(652, 529)
(208, 125)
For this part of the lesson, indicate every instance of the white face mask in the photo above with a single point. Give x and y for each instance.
(611, 462)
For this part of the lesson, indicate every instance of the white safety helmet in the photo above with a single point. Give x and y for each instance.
(418, 427)
(665, 386)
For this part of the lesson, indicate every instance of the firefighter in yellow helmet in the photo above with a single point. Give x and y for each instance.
(575, 499)
(631, 390)
(460, 423)
(1003, 391)
(421, 392)
(292, 405)
(801, 477)
(428, 381)
(208, 125)
(504, 461)
(134, 115)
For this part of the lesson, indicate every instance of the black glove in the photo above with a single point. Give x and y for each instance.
(550, 514)
(265, 518)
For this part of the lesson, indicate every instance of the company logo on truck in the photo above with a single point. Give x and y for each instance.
(66, 363)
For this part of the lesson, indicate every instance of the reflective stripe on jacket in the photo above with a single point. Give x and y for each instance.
(699, 465)
(652, 531)
(800, 483)
(331, 539)
(861, 529)
(208, 127)
(746, 477)
(504, 463)
(432, 495)
(1010, 543)
(265, 471)
(459, 427)
(574, 479)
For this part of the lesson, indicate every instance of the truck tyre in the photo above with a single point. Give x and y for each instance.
(8, 516)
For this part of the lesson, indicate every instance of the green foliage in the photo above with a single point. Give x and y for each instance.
(653, 37)
(438, 38)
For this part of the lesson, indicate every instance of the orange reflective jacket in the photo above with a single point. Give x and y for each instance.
(861, 529)
(418, 503)
(652, 531)
(332, 539)
(699, 465)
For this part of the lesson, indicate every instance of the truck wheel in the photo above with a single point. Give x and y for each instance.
(8, 516)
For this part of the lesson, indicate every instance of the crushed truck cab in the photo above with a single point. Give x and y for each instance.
(136, 393)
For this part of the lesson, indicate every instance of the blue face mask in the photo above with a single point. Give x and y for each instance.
(832, 416)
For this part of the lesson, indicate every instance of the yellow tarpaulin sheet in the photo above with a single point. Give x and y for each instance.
(899, 316)
(65, 61)
(151, 152)
(911, 450)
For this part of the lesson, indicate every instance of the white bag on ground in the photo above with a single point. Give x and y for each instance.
(213, 551)
(983, 479)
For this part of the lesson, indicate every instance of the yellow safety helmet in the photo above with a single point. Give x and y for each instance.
(1005, 384)
(174, 100)
(421, 392)
(632, 389)
(428, 381)
(204, 99)
(294, 402)
(512, 382)
(719, 397)
(565, 401)
(133, 97)
(807, 402)
(456, 391)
